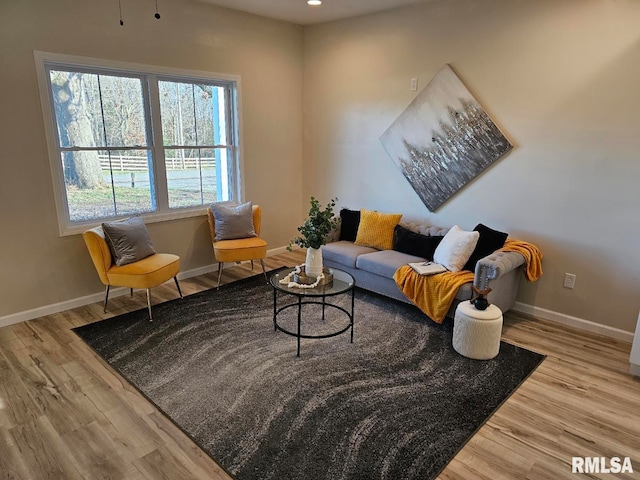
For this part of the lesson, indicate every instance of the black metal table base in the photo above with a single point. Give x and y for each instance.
(299, 304)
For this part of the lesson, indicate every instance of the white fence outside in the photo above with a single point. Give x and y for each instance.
(126, 163)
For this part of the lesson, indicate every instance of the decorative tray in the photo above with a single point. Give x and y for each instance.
(303, 279)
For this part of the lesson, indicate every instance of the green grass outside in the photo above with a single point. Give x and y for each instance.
(86, 204)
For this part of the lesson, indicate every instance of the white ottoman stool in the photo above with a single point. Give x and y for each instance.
(476, 333)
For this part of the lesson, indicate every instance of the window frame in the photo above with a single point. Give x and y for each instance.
(45, 61)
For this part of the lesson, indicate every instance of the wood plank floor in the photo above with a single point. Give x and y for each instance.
(65, 414)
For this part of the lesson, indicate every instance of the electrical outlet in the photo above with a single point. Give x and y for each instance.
(414, 84)
(569, 280)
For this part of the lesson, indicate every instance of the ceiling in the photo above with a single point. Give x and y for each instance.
(297, 11)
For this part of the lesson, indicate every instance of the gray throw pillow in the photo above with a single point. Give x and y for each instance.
(233, 221)
(128, 240)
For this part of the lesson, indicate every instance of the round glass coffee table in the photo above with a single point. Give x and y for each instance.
(342, 283)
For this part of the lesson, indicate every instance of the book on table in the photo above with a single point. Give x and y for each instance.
(427, 268)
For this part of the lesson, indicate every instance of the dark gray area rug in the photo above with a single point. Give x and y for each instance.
(396, 404)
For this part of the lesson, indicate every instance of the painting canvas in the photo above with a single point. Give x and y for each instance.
(443, 139)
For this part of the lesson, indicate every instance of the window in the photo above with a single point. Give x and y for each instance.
(127, 139)
(194, 141)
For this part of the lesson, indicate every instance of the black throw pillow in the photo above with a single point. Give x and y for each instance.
(349, 223)
(412, 243)
(490, 240)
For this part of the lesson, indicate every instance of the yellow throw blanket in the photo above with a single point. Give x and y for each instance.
(434, 294)
(532, 257)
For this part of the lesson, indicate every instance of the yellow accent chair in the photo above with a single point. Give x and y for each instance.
(239, 249)
(147, 273)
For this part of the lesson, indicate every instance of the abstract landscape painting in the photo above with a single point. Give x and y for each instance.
(443, 139)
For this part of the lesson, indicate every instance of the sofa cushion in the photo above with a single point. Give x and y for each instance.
(128, 240)
(490, 240)
(349, 222)
(455, 248)
(412, 243)
(424, 228)
(376, 229)
(344, 253)
(233, 221)
(385, 262)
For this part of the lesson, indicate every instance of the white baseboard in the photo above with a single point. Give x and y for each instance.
(542, 313)
(53, 308)
(99, 297)
(579, 323)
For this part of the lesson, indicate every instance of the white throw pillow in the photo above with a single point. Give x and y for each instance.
(455, 248)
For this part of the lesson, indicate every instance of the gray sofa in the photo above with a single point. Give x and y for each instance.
(373, 269)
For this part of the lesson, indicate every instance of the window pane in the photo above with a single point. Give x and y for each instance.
(203, 100)
(191, 177)
(76, 101)
(193, 114)
(98, 110)
(123, 111)
(223, 172)
(114, 183)
(219, 108)
(176, 109)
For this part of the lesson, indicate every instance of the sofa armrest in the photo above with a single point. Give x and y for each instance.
(494, 266)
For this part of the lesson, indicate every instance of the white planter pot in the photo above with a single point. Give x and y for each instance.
(313, 263)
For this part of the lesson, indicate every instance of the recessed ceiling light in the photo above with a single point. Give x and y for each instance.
(314, 2)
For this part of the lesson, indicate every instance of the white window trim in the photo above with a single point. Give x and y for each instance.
(57, 176)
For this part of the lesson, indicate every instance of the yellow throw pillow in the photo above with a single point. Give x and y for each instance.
(376, 229)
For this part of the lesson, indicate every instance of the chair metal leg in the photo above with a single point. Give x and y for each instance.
(178, 286)
(252, 265)
(220, 267)
(106, 299)
(132, 292)
(264, 271)
(149, 304)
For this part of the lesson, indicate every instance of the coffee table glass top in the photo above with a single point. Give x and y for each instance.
(342, 282)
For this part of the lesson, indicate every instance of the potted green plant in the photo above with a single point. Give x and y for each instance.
(313, 234)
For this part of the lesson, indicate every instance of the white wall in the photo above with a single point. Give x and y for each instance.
(39, 268)
(560, 77)
(634, 358)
